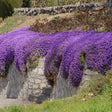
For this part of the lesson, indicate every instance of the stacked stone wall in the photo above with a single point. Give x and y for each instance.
(59, 9)
(34, 86)
(31, 87)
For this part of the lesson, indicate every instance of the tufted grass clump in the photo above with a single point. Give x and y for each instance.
(98, 86)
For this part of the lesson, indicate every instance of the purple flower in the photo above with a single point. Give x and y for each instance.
(62, 50)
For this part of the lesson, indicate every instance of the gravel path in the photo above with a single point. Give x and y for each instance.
(12, 102)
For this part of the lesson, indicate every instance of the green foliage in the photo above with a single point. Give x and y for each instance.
(109, 77)
(102, 103)
(51, 3)
(47, 3)
(44, 3)
(15, 3)
(94, 88)
(26, 3)
(10, 23)
(5, 8)
(98, 86)
(66, 2)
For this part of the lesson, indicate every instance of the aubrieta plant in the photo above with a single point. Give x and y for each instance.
(63, 53)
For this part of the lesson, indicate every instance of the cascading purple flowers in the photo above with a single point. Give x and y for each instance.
(69, 52)
(54, 56)
(62, 50)
(76, 67)
(99, 56)
(7, 45)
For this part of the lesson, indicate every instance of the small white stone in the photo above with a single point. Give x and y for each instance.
(36, 86)
(37, 81)
(42, 86)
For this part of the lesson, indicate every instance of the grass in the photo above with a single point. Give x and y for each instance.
(102, 103)
(10, 23)
(83, 102)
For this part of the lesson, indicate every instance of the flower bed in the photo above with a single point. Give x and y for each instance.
(67, 52)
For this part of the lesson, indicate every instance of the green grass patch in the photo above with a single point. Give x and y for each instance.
(100, 102)
(10, 23)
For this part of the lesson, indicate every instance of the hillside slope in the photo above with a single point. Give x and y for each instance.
(16, 22)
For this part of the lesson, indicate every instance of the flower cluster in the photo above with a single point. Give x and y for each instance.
(63, 52)
(13, 46)
(93, 57)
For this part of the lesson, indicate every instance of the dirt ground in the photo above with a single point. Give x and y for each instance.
(12, 102)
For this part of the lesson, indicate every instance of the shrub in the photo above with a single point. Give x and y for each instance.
(45, 3)
(26, 3)
(95, 87)
(55, 25)
(98, 86)
(5, 8)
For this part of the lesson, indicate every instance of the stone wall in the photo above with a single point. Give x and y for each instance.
(34, 86)
(63, 88)
(31, 87)
(58, 9)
